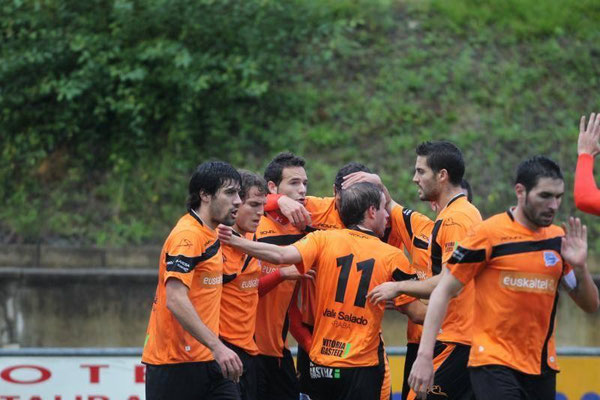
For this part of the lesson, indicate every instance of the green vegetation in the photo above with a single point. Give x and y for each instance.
(106, 106)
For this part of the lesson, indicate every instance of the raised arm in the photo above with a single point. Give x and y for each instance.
(421, 375)
(413, 288)
(586, 193)
(263, 251)
(357, 177)
(574, 251)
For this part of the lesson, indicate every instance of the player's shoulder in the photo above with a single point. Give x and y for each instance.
(268, 227)
(319, 203)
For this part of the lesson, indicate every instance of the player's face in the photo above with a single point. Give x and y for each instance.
(426, 180)
(542, 201)
(225, 203)
(249, 213)
(381, 218)
(293, 183)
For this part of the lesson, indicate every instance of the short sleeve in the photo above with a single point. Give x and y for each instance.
(309, 248)
(471, 255)
(453, 232)
(401, 270)
(183, 254)
(401, 226)
(568, 280)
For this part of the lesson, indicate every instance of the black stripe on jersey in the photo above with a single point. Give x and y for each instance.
(436, 249)
(419, 243)
(406, 214)
(386, 234)
(228, 278)
(281, 240)
(195, 216)
(399, 275)
(310, 229)
(181, 263)
(454, 199)
(465, 256)
(246, 263)
(506, 249)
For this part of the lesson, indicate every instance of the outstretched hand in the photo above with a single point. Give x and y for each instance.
(588, 141)
(361, 176)
(295, 212)
(385, 291)
(574, 243)
(225, 233)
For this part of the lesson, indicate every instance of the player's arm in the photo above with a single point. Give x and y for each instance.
(421, 375)
(415, 311)
(295, 212)
(389, 290)
(357, 177)
(586, 193)
(178, 302)
(574, 251)
(263, 251)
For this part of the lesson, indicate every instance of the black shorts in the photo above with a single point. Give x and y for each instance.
(303, 363)
(491, 382)
(451, 379)
(248, 384)
(189, 381)
(360, 383)
(411, 356)
(277, 378)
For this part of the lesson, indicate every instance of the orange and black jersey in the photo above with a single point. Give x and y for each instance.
(516, 273)
(272, 313)
(451, 225)
(191, 254)
(412, 230)
(239, 299)
(349, 263)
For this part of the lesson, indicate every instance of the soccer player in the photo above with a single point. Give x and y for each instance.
(439, 170)
(347, 351)
(516, 259)
(184, 357)
(241, 285)
(587, 195)
(285, 174)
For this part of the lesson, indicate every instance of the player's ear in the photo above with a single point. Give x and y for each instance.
(520, 191)
(443, 175)
(272, 187)
(204, 197)
(334, 190)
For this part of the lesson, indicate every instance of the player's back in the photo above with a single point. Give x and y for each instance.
(349, 263)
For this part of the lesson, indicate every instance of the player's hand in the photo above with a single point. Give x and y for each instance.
(231, 365)
(383, 292)
(295, 212)
(290, 273)
(421, 376)
(574, 244)
(225, 233)
(310, 275)
(587, 143)
(360, 176)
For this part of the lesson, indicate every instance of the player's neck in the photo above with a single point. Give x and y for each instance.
(204, 215)
(239, 230)
(522, 219)
(447, 196)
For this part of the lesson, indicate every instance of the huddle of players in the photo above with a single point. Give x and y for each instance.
(227, 294)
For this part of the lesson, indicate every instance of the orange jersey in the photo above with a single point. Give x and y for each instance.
(516, 273)
(324, 216)
(412, 230)
(349, 263)
(239, 299)
(271, 316)
(450, 226)
(191, 254)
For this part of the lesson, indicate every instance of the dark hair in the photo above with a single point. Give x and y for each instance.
(208, 178)
(250, 180)
(531, 170)
(357, 199)
(347, 170)
(467, 186)
(274, 170)
(442, 154)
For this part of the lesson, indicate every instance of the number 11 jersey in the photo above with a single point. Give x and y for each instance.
(349, 263)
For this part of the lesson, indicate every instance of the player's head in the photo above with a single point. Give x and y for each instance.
(347, 169)
(214, 190)
(364, 204)
(285, 174)
(539, 186)
(254, 197)
(439, 164)
(466, 189)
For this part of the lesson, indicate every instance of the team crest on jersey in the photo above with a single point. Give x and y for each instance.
(550, 259)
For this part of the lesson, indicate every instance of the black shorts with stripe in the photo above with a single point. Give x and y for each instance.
(277, 378)
(497, 382)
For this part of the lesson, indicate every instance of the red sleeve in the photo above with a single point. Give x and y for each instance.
(297, 328)
(587, 195)
(272, 204)
(268, 282)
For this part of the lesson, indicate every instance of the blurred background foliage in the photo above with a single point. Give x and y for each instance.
(107, 105)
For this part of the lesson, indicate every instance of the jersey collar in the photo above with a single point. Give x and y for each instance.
(365, 231)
